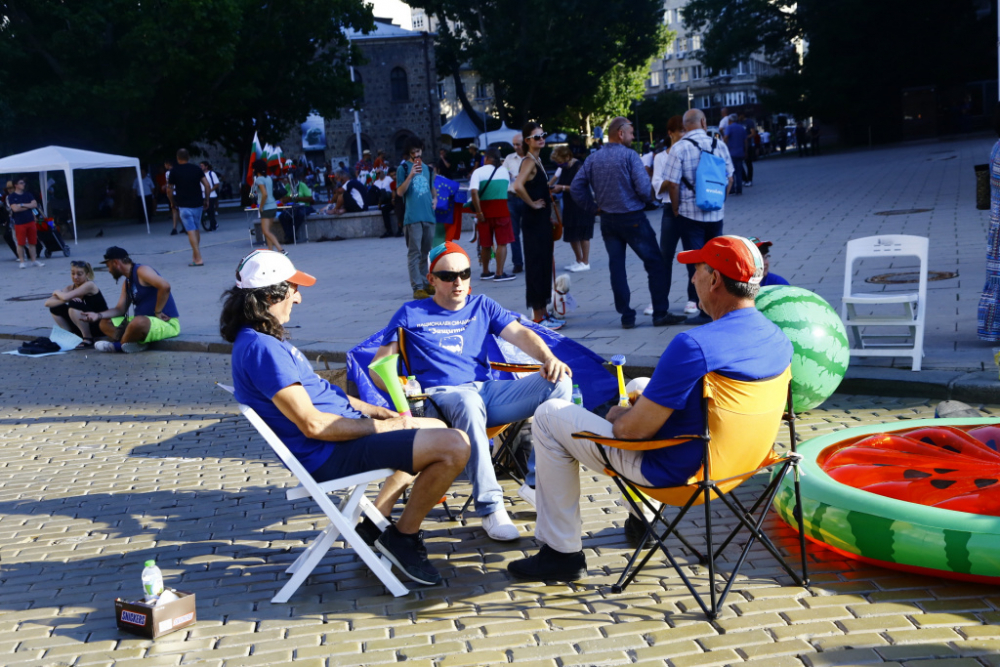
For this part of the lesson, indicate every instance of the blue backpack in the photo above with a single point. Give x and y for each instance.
(710, 179)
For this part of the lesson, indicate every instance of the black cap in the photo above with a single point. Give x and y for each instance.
(114, 252)
(763, 246)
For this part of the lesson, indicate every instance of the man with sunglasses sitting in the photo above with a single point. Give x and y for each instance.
(448, 342)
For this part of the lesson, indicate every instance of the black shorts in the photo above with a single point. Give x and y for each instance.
(371, 452)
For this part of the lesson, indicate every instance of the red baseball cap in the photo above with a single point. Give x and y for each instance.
(446, 248)
(735, 257)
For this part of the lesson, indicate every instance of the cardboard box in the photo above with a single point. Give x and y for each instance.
(143, 619)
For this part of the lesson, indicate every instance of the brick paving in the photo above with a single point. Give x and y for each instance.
(103, 466)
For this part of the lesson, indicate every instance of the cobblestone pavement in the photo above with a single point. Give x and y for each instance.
(809, 208)
(103, 466)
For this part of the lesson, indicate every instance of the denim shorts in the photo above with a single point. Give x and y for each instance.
(380, 450)
(190, 217)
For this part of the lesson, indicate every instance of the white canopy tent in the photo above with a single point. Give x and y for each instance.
(501, 135)
(59, 158)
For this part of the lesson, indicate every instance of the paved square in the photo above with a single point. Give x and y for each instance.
(107, 461)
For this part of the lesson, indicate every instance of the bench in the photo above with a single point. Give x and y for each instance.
(366, 224)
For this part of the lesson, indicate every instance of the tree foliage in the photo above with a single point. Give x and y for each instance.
(145, 78)
(545, 56)
(859, 55)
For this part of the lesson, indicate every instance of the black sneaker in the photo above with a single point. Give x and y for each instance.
(668, 319)
(518, 269)
(173, 232)
(628, 325)
(635, 530)
(368, 531)
(408, 553)
(502, 277)
(487, 275)
(550, 565)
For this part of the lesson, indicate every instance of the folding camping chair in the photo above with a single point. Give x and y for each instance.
(503, 456)
(742, 423)
(343, 519)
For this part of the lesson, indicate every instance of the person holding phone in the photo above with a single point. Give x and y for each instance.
(22, 211)
(415, 184)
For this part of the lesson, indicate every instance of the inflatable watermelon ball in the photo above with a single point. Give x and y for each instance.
(819, 340)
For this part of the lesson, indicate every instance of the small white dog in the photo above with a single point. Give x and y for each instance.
(562, 300)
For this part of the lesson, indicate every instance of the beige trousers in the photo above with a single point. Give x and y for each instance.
(558, 456)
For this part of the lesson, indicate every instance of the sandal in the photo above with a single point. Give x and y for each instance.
(88, 343)
(193, 264)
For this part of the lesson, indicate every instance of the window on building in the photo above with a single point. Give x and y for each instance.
(696, 72)
(672, 75)
(706, 101)
(741, 68)
(418, 22)
(684, 74)
(672, 46)
(481, 91)
(696, 42)
(441, 93)
(654, 79)
(400, 89)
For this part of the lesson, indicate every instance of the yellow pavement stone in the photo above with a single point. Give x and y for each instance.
(432, 650)
(956, 605)
(504, 642)
(883, 609)
(634, 628)
(695, 630)
(777, 649)
(877, 624)
(842, 658)
(623, 642)
(513, 627)
(537, 663)
(917, 651)
(550, 651)
(856, 640)
(773, 661)
(939, 620)
(608, 658)
(396, 642)
(764, 592)
(735, 640)
(668, 651)
(923, 635)
(568, 636)
(711, 659)
(325, 650)
(806, 630)
(833, 600)
(978, 647)
(769, 604)
(740, 623)
(980, 631)
(477, 658)
(820, 614)
(425, 628)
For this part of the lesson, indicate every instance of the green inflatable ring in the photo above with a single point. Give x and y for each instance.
(885, 531)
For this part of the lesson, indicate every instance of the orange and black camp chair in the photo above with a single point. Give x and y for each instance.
(742, 423)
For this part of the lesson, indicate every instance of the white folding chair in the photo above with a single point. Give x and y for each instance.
(343, 519)
(914, 304)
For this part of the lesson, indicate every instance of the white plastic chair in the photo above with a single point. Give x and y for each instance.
(913, 304)
(343, 519)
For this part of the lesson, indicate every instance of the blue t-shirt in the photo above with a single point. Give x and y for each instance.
(742, 345)
(447, 348)
(773, 278)
(419, 203)
(21, 217)
(263, 366)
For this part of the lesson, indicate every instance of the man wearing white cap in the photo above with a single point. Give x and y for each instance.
(331, 434)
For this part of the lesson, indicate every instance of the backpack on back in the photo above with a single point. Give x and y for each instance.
(710, 179)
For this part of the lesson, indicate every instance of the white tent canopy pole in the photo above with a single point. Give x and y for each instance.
(60, 158)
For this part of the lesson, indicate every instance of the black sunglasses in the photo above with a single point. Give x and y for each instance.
(450, 276)
(538, 137)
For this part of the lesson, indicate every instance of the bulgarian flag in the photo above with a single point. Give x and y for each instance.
(255, 154)
(274, 160)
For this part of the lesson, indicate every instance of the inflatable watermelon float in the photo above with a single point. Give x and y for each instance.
(821, 352)
(922, 498)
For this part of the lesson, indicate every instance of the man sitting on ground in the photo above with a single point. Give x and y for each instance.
(769, 278)
(739, 343)
(331, 434)
(448, 355)
(154, 315)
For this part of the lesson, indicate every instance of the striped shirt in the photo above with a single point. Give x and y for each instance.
(682, 163)
(492, 199)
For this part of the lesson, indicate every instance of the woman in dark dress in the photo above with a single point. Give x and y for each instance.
(578, 225)
(80, 296)
(536, 226)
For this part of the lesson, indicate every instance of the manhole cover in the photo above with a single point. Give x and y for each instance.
(909, 277)
(903, 211)
(31, 297)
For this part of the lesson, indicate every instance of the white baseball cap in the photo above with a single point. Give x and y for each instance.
(263, 268)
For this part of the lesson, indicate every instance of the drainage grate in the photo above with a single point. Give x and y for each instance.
(31, 297)
(909, 277)
(904, 211)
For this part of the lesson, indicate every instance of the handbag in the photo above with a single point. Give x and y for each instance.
(557, 224)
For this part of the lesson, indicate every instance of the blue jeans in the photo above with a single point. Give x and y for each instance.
(516, 207)
(634, 231)
(692, 234)
(475, 406)
(738, 174)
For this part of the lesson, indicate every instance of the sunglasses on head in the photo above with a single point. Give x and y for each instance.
(538, 137)
(450, 276)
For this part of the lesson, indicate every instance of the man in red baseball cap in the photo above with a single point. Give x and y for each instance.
(739, 343)
(448, 338)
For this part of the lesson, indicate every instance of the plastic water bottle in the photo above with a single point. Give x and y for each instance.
(577, 395)
(413, 388)
(152, 581)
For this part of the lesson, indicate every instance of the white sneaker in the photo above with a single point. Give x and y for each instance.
(23, 266)
(104, 346)
(691, 308)
(580, 267)
(37, 263)
(527, 494)
(648, 310)
(572, 267)
(499, 526)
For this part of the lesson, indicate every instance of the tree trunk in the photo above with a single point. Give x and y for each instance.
(477, 118)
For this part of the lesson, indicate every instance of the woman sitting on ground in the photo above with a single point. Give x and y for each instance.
(80, 296)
